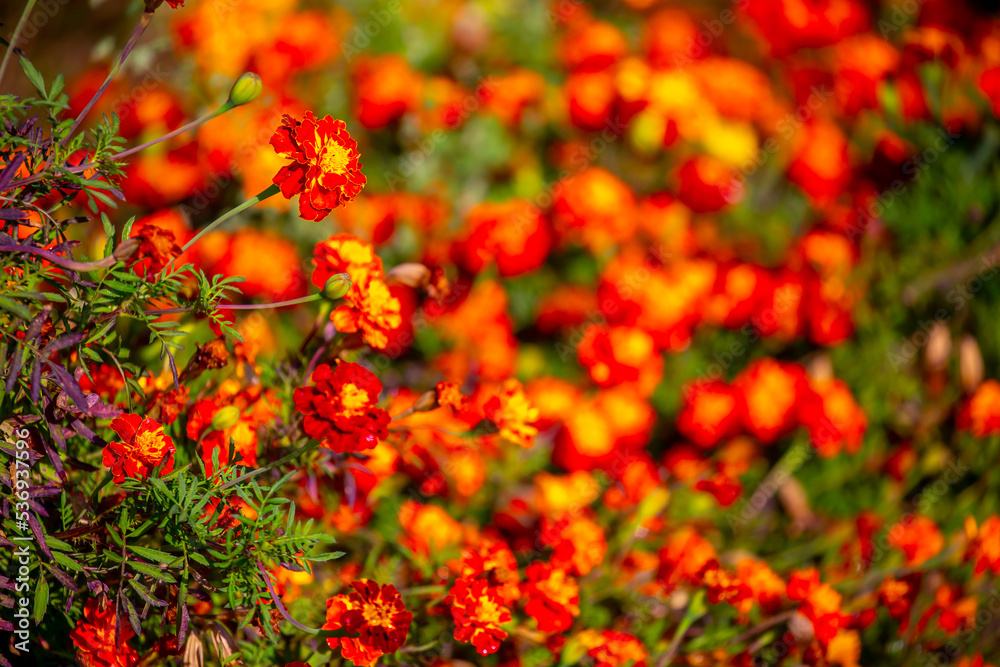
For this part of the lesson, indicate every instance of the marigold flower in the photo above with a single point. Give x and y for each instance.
(341, 408)
(710, 413)
(325, 169)
(478, 613)
(388, 623)
(144, 446)
(450, 395)
(984, 544)
(377, 615)
(578, 543)
(919, 539)
(611, 648)
(94, 638)
(553, 597)
(157, 247)
(372, 310)
(513, 413)
(980, 415)
(493, 561)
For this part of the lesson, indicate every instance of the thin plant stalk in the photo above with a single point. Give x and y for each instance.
(270, 191)
(13, 39)
(140, 28)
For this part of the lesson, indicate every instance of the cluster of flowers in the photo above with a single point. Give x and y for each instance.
(512, 466)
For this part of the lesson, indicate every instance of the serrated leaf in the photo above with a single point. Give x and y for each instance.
(34, 76)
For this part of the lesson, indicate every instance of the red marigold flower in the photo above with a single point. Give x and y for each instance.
(157, 247)
(513, 413)
(94, 638)
(478, 613)
(493, 561)
(325, 169)
(611, 648)
(144, 446)
(341, 408)
(377, 614)
(725, 586)
(553, 597)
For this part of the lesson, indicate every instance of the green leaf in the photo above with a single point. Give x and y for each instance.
(198, 558)
(146, 594)
(66, 561)
(153, 554)
(33, 75)
(15, 308)
(154, 572)
(41, 598)
(57, 544)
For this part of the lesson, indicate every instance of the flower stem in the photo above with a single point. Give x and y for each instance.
(132, 41)
(269, 191)
(62, 261)
(181, 130)
(28, 6)
(242, 306)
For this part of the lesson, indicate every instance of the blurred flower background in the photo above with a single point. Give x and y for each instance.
(704, 295)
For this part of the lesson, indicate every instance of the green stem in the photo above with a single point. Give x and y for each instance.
(269, 191)
(170, 135)
(13, 39)
(270, 466)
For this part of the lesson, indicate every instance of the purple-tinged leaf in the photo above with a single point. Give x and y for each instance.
(63, 342)
(12, 214)
(43, 491)
(89, 435)
(69, 385)
(133, 616)
(36, 380)
(62, 577)
(36, 530)
(6, 625)
(7, 175)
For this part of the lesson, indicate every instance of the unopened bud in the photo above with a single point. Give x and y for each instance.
(246, 89)
(938, 348)
(426, 402)
(225, 417)
(126, 249)
(411, 274)
(337, 286)
(970, 364)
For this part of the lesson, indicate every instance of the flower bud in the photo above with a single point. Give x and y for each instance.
(337, 286)
(970, 364)
(225, 417)
(426, 402)
(126, 249)
(246, 89)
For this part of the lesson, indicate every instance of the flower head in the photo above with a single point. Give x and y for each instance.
(94, 638)
(513, 413)
(376, 613)
(341, 408)
(478, 612)
(553, 597)
(144, 446)
(324, 170)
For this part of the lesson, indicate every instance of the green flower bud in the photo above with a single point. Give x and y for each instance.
(225, 417)
(337, 286)
(245, 90)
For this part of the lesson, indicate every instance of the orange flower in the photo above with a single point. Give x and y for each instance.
(156, 248)
(769, 391)
(723, 586)
(553, 597)
(94, 638)
(833, 418)
(513, 413)
(710, 413)
(377, 614)
(493, 561)
(346, 253)
(144, 446)
(373, 310)
(686, 554)
(478, 613)
(981, 413)
(341, 408)
(325, 169)
(611, 648)
(578, 543)
(984, 544)
(450, 395)
(919, 539)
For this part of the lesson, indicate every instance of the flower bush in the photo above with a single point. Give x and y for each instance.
(618, 334)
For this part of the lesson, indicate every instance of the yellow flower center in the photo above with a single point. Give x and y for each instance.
(146, 443)
(489, 611)
(334, 158)
(353, 399)
(377, 614)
